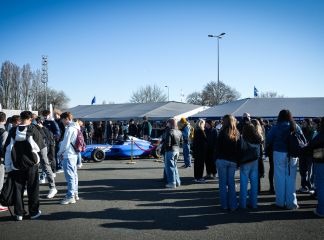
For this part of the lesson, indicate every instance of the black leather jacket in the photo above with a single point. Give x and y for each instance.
(172, 140)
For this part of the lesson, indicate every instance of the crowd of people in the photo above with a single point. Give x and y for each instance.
(31, 144)
(227, 146)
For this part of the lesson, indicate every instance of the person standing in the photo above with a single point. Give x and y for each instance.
(185, 129)
(3, 138)
(109, 132)
(227, 155)
(172, 145)
(211, 134)
(249, 169)
(285, 167)
(44, 160)
(22, 160)
(69, 157)
(132, 129)
(199, 151)
(316, 146)
(146, 129)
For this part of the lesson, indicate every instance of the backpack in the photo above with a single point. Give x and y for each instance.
(7, 193)
(249, 152)
(23, 154)
(79, 145)
(295, 144)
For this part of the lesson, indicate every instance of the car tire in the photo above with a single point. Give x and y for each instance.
(98, 155)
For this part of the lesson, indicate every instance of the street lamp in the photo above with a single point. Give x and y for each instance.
(168, 92)
(218, 37)
(45, 76)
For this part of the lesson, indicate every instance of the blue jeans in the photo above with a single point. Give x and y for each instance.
(171, 169)
(319, 185)
(285, 183)
(186, 154)
(79, 160)
(226, 173)
(249, 171)
(71, 175)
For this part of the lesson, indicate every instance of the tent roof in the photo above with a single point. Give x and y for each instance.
(266, 108)
(126, 111)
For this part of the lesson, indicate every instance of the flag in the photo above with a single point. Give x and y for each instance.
(93, 100)
(256, 92)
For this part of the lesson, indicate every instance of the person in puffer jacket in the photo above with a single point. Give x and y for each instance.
(68, 157)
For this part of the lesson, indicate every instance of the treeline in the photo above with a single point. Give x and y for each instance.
(22, 88)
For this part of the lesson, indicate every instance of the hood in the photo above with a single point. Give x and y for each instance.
(74, 125)
(21, 133)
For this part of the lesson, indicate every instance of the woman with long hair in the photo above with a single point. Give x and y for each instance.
(227, 155)
(285, 167)
(199, 151)
(249, 170)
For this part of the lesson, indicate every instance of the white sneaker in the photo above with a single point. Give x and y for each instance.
(79, 165)
(25, 193)
(76, 197)
(60, 171)
(52, 193)
(170, 186)
(37, 215)
(66, 200)
(19, 218)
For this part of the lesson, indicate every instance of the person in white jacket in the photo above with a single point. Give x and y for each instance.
(69, 156)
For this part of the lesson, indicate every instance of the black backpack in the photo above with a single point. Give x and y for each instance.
(295, 144)
(22, 154)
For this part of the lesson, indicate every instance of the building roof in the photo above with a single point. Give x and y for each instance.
(266, 108)
(126, 111)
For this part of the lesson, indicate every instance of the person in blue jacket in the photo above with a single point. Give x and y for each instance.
(284, 170)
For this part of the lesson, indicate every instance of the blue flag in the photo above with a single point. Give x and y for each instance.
(256, 92)
(93, 100)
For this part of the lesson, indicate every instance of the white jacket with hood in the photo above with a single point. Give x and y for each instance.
(66, 149)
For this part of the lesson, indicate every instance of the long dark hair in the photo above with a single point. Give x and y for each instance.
(286, 116)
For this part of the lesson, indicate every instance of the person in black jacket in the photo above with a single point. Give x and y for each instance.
(316, 147)
(109, 132)
(23, 162)
(199, 147)
(132, 129)
(211, 134)
(171, 146)
(227, 155)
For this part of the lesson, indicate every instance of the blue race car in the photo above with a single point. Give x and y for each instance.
(122, 149)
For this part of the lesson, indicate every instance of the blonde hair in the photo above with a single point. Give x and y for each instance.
(201, 124)
(229, 127)
(258, 127)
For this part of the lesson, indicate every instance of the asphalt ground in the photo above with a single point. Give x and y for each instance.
(129, 201)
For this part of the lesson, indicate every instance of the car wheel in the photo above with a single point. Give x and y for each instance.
(98, 155)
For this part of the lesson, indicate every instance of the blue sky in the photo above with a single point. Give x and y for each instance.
(108, 49)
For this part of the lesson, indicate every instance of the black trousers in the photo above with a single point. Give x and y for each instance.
(29, 176)
(199, 165)
(210, 163)
(271, 172)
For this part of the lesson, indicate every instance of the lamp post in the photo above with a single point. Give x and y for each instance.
(168, 92)
(45, 76)
(218, 37)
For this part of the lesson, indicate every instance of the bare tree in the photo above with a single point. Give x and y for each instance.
(212, 94)
(195, 98)
(270, 94)
(58, 99)
(15, 89)
(26, 76)
(148, 94)
(5, 83)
